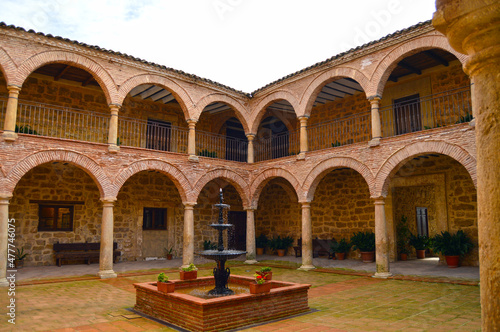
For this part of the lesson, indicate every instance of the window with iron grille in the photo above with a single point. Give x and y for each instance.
(422, 221)
(154, 219)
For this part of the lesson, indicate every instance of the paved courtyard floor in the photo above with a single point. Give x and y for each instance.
(345, 299)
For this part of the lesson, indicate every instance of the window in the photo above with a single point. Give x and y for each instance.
(55, 218)
(154, 219)
(422, 221)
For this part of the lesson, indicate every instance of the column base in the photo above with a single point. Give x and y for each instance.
(106, 274)
(251, 261)
(306, 267)
(113, 148)
(301, 156)
(382, 275)
(472, 122)
(4, 282)
(374, 142)
(9, 136)
(193, 158)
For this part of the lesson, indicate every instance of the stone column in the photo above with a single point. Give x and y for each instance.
(376, 127)
(303, 137)
(250, 138)
(4, 223)
(9, 128)
(106, 255)
(251, 255)
(473, 27)
(381, 240)
(192, 140)
(113, 146)
(307, 250)
(188, 240)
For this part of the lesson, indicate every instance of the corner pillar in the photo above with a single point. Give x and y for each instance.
(250, 138)
(307, 249)
(303, 137)
(188, 240)
(251, 253)
(9, 128)
(4, 226)
(375, 118)
(381, 240)
(113, 146)
(106, 251)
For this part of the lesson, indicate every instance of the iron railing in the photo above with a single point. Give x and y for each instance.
(277, 146)
(433, 111)
(347, 130)
(152, 135)
(221, 147)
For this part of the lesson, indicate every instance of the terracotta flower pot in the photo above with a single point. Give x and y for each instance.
(256, 288)
(188, 275)
(368, 256)
(403, 257)
(165, 287)
(169, 257)
(266, 275)
(340, 256)
(452, 261)
(420, 254)
(281, 252)
(260, 251)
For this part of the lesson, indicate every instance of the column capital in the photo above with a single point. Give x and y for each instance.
(251, 136)
(378, 199)
(5, 197)
(303, 119)
(189, 205)
(374, 98)
(108, 201)
(249, 208)
(192, 122)
(305, 204)
(14, 88)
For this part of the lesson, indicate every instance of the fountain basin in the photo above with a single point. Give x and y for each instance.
(221, 313)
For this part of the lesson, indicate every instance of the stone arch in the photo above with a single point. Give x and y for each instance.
(309, 96)
(88, 165)
(398, 158)
(239, 110)
(260, 108)
(100, 74)
(319, 171)
(173, 173)
(7, 66)
(178, 91)
(232, 177)
(390, 61)
(267, 175)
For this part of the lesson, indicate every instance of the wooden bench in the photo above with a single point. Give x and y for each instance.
(320, 248)
(81, 251)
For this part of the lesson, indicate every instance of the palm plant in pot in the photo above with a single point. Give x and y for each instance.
(365, 242)
(260, 243)
(341, 249)
(20, 256)
(403, 238)
(452, 246)
(420, 243)
(281, 244)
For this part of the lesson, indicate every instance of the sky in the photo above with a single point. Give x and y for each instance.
(244, 44)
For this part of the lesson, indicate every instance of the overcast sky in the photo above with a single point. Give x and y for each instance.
(245, 44)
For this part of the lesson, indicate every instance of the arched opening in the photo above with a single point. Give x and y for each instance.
(64, 101)
(220, 134)
(435, 193)
(149, 216)
(340, 115)
(55, 202)
(277, 134)
(152, 118)
(426, 89)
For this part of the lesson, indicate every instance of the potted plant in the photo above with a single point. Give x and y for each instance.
(403, 238)
(420, 243)
(260, 285)
(261, 242)
(281, 244)
(265, 272)
(208, 245)
(169, 253)
(189, 273)
(341, 248)
(20, 256)
(452, 246)
(365, 242)
(164, 285)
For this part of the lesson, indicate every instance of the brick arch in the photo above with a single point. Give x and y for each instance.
(322, 169)
(312, 91)
(88, 165)
(260, 109)
(398, 159)
(173, 173)
(7, 66)
(271, 173)
(239, 110)
(180, 94)
(230, 176)
(390, 61)
(100, 74)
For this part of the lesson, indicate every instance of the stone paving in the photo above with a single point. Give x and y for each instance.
(340, 302)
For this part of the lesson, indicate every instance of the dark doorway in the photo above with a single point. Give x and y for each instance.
(280, 137)
(158, 135)
(407, 114)
(236, 141)
(237, 236)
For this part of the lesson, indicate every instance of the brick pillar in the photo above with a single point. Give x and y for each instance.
(4, 222)
(381, 240)
(303, 137)
(376, 126)
(9, 128)
(188, 240)
(251, 255)
(250, 138)
(113, 146)
(192, 141)
(307, 249)
(473, 27)
(106, 255)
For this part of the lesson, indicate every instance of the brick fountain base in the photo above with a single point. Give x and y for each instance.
(221, 313)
